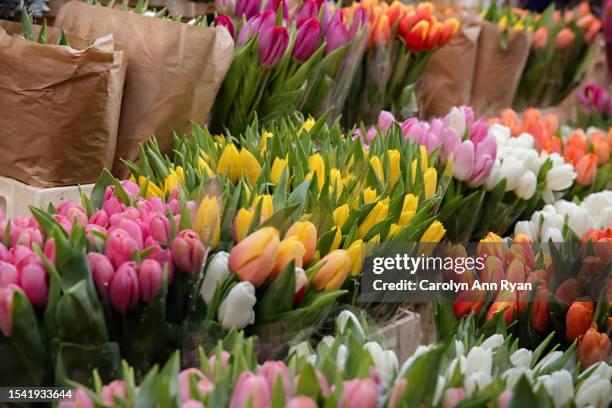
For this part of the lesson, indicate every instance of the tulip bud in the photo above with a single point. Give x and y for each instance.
(290, 249)
(334, 268)
(467, 302)
(267, 207)
(204, 386)
(359, 393)
(225, 21)
(568, 291)
(102, 271)
(273, 43)
(447, 31)
(124, 290)
(188, 252)
(116, 390)
(301, 401)
(247, 8)
(120, 247)
(336, 36)
(216, 272)
(8, 274)
(306, 233)
(506, 303)
(516, 271)
(434, 233)
(464, 161)
(208, 221)
(309, 10)
(564, 39)
(307, 40)
(375, 216)
(81, 400)
(229, 161)
(593, 348)
(272, 371)
(35, 283)
(430, 178)
(150, 277)
(316, 164)
(381, 31)
(159, 228)
(253, 258)
(6, 308)
(540, 38)
(539, 309)
(493, 271)
(253, 388)
(452, 397)
(355, 252)
(586, 168)
(241, 224)
(278, 167)
(578, 319)
(415, 38)
(212, 363)
(249, 166)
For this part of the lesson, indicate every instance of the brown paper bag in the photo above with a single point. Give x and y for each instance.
(174, 72)
(498, 70)
(59, 107)
(447, 81)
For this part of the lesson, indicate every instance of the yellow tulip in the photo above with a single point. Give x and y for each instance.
(241, 224)
(152, 189)
(394, 229)
(316, 163)
(308, 124)
(405, 217)
(519, 26)
(369, 195)
(249, 165)
(204, 167)
(346, 180)
(335, 181)
(434, 233)
(278, 166)
(375, 239)
(253, 258)
(394, 165)
(334, 268)
(378, 169)
(424, 158)
(289, 249)
(337, 239)
(376, 215)
(208, 221)
(171, 182)
(411, 203)
(355, 251)
(503, 22)
(430, 178)
(264, 140)
(306, 232)
(180, 174)
(229, 163)
(267, 206)
(341, 215)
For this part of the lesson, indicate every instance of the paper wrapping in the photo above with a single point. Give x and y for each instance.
(447, 81)
(59, 107)
(174, 72)
(498, 70)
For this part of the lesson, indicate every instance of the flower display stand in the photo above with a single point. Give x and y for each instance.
(16, 197)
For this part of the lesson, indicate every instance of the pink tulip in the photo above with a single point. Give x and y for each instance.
(504, 399)
(271, 371)
(124, 290)
(385, 120)
(113, 206)
(359, 393)
(100, 218)
(225, 21)
(247, 8)
(192, 404)
(6, 308)
(452, 397)
(407, 124)
(4, 253)
(479, 131)
(336, 36)
(301, 402)
(115, 390)
(49, 250)
(159, 228)
(309, 10)
(464, 161)
(432, 141)
(416, 133)
(8, 274)
(163, 256)
(307, 40)
(253, 388)
(64, 222)
(97, 240)
(129, 213)
(255, 25)
(20, 256)
(273, 43)
(131, 188)
(468, 114)
(34, 281)
(212, 362)
(81, 400)
(188, 252)
(102, 271)
(120, 247)
(25, 236)
(150, 278)
(204, 385)
(397, 393)
(73, 212)
(133, 229)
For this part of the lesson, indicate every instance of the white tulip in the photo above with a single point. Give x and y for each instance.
(236, 310)
(216, 273)
(560, 177)
(494, 177)
(344, 317)
(525, 228)
(478, 359)
(552, 234)
(605, 218)
(550, 220)
(328, 340)
(513, 375)
(420, 350)
(549, 358)
(559, 386)
(594, 392)
(601, 369)
(341, 356)
(301, 349)
(476, 381)
(524, 140)
(440, 385)
(526, 186)
(521, 358)
(456, 121)
(452, 367)
(385, 361)
(459, 348)
(580, 221)
(493, 342)
(500, 132)
(512, 170)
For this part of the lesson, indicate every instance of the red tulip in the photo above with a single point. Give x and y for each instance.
(225, 21)
(568, 291)
(539, 309)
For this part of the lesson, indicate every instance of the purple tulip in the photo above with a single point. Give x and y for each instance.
(464, 161)
(275, 4)
(594, 97)
(450, 142)
(479, 131)
(150, 278)
(307, 39)
(102, 271)
(336, 36)
(325, 18)
(273, 43)
(309, 10)
(225, 21)
(253, 26)
(124, 290)
(247, 8)
(359, 20)
(385, 120)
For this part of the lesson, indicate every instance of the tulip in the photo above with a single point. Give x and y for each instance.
(80, 400)
(278, 167)
(229, 161)
(539, 309)
(433, 36)
(267, 206)
(464, 161)
(236, 310)
(124, 289)
(253, 388)
(447, 31)
(188, 252)
(385, 361)
(493, 271)
(333, 269)
(359, 393)
(601, 149)
(578, 319)
(102, 271)
(394, 157)
(208, 221)
(307, 40)
(226, 22)
(249, 165)
(430, 178)
(203, 384)
(216, 272)
(290, 249)
(212, 363)
(301, 402)
(335, 182)
(120, 247)
(505, 303)
(316, 164)
(6, 308)
(273, 43)
(467, 302)
(385, 121)
(247, 8)
(241, 224)
(355, 251)
(115, 391)
(540, 37)
(568, 291)
(381, 31)
(274, 5)
(452, 397)
(309, 10)
(336, 36)
(306, 233)
(594, 392)
(159, 228)
(369, 195)
(301, 286)
(8, 274)
(564, 39)
(34, 281)
(397, 393)
(253, 258)
(416, 37)
(112, 206)
(434, 233)
(150, 277)
(377, 214)
(272, 371)
(593, 348)
(586, 169)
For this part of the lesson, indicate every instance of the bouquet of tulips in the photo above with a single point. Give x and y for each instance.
(283, 64)
(595, 107)
(562, 49)
(401, 43)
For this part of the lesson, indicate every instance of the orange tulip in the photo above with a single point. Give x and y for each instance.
(578, 140)
(568, 291)
(583, 9)
(334, 268)
(433, 36)
(593, 348)
(381, 32)
(289, 249)
(564, 39)
(415, 38)
(506, 303)
(306, 232)
(540, 37)
(468, 301)
(516, 271)
(396, 12)
(493, 271)
(578, 319)
(539, 309)
(492, 245)
(601, 149)
(447, 31)
(254, 257)
(586, 169)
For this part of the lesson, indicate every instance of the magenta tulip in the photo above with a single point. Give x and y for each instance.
(49, 250)
(307, 39)
(309, 10)
(464, 161)
(336, 36)
(225, 21)
(359, 393)
(150, 277)
(97, 239)
(188, 252)
(273, 43)
(73, 212)
(360, 19)
(482, 170)
(102, 271)
(8, 274)
(301, 402)
(247, 8)
(34, 281)
(21, 235)
(385, 120)
(273, 5)
(6, 308)
(4, 253)
(120, 247)
(407, 124)
(124, 290)
(20, 256)
(255, 25)
(253, 388)
(272, 371)
(116, 390)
